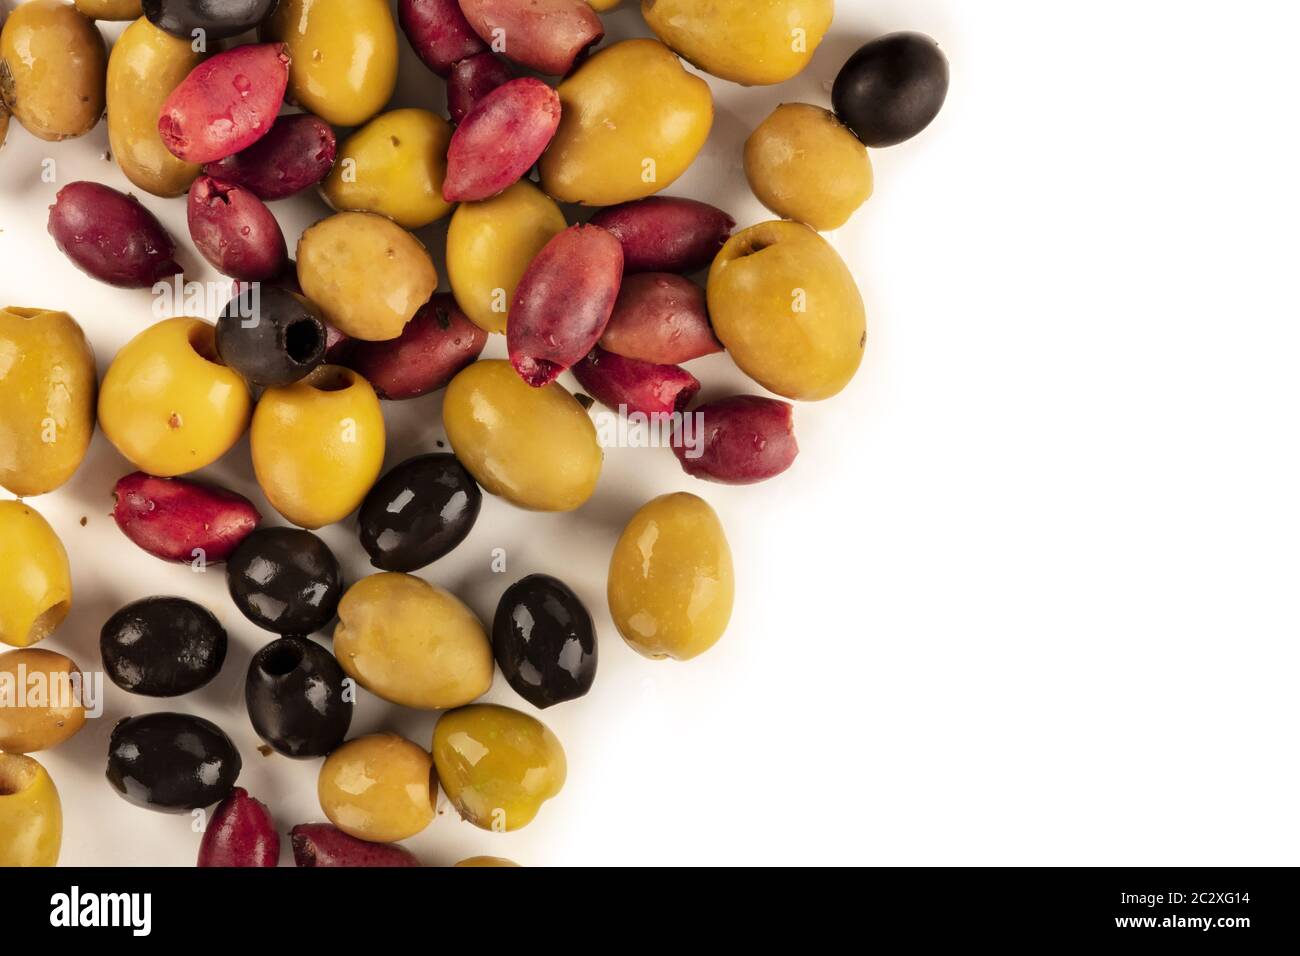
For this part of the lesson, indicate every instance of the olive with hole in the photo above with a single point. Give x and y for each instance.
(53, 63)
(31, 817)
(109, 9)
(285, 580)
(218, 19)
(891, 88)
(419, 512)
(171, 762)
(296, 698)
(35, 578)
(162, 647)
(271, 336)
(544, 641)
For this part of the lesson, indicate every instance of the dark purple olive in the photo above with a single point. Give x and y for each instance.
(544, 641)
(217, 18)
(472, 79)
(296, 697)
(891, 88)
(271, 336)
(285, 580)
(419, 512)
(171, 762)
(162, 647)
(235, 231)
(297, 153)
(110, 236)
(322, 844)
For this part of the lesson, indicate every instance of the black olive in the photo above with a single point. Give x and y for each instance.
(162, 647)
(171, 762)
(418, 512)
(271, 336)
(892, 88)
(544, 641)
(217, 18)
(296, 697)
(286, 580)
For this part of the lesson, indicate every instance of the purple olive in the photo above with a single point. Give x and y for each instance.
(661, 318)
(667, 234)
(320, 844)
(624, 383)
(439, 33)
(111, 237)
(298, 152)
(437, 343)
(235, 231)
(738, 441)
(471, 80)
(500, 139)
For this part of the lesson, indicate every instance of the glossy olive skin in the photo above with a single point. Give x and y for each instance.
(167, 404)
(217, 18)
(35, 579)
(171, 762)
(660, 318)
(241, 833)
(235, 231)
(110, 236)
(548, 36)
(439, 33)
(378, 788)
(627, 384)
(497, 765)
(31, 816)
(412, 643)
(490, 245)
(52, 67)
(285, 580)
(271, 336)
(344, 259)
(500, 139)
(295, 697)
(322, 844)
(671, 581)
(544, 641)
(491, 861)
(472, 79)
(330, 424)
(535, 447)
(39, 725)
(47, 393)
(162, 647)
(666, 233)
(419, 512)
(436, 344)
(891, 88)
(145, 65)
(109, 9)
(180, 520)
(744, 439)
(788, 310)
(751, 42)
(344, 56)
(297, 152)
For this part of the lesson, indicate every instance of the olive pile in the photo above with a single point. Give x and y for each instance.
(319, 333)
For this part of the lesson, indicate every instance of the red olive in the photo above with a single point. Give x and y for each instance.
(661, 318)
(241, 833)
(500, 139)
(235, 231)
(547, 35)
(177, 519)
(296, 153)
(472, 79)
(437, 343)
(738, 441)
(667, 234)
(109, 235)
(321, 844)
(624, 383)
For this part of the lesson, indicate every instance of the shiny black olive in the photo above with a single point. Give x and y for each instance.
(296, 697)
(171, 762)
(271, 336)
(418, 512)
(162, 647)
(544, 641)
(286, 580)
(892, 88)
(217, 18)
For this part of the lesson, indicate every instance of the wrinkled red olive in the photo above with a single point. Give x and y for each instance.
(235, 231)
(323, 844)
(241, 833)
(296, 153)
(740, 441)
(666, 233)
(437, 343)
(500, 139)
(177, 519)
(111, 237)
(660, 318)
(472, 79)
(634, 386)
(439, 33)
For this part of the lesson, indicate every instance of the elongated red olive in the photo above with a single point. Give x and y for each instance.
(436, 344)
(241, 833)
(111, 237)
(666, 233)
(296, 153)
(323, 844)
(633, 386)
(472, 79)
(500, 139)
(546, 35)
(235, 231)
(738, 441)
(660, 318)
(439, 33)
(177, 519)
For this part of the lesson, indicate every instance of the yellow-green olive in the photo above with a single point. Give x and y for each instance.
(535, 447)
(109, 9)
(52, 65)
(366, 273)
(752, 42)
(633, 120)
(497, 765)
(168, 404)
(411, 643)
(600, 6)
(41, 702)
(394, 166)
(478, 861)
(318, 445)
(378, 788)
(805, 165)
(145, 66)
(490, 245)
(47, 399)
(786, 307)
(671, 583)
(31, 817)
(344, 54)
(35, 580)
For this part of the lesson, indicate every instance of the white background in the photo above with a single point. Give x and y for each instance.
(1028, 594)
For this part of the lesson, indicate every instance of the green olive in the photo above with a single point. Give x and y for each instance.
(52, 65)
(31, 817)
(26, 725)
(366, 273)
(318, 445)
(344, 55)
(487, 861)
(168, 404)
(490, 245)
(377, 788)
(145, 66)
(671, 582)
(497, 765)
(47, 399)
(752, 42)
(109, 9)
(633, 121)
(411, 643)
(786, 307)
(394, 166)
(535, 447)
(805, 165)
(35, 580)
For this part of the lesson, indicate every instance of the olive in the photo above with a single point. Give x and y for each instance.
(378, 788)
(419, 512)
(31, 817)
(544, 641)
(891, 88)
(217, 18)
(296, 698)
(271, 336)
(35, 578)
(162, 647)
(171, 762)
(285, 580)
(43, 720)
